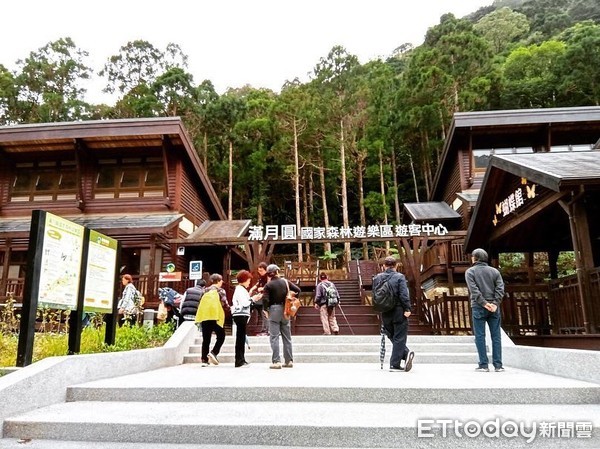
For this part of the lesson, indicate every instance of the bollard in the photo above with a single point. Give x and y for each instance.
(149, 318)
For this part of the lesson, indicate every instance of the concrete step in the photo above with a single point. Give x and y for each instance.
(286, 423)
(338, 382)
(300, 407)
(419, 348)
(355, 339)
(337, 357)
(347, 349)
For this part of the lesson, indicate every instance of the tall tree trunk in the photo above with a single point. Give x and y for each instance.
(297, 185)
(346, 220)
(230, 202)
(427, 162)
(395, 173)
(326, 246)
(306, 190)
(383, 198)
(414, 176)
(205, 145)
(361, 200)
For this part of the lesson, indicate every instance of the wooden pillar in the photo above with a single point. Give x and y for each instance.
(529, 257)
(449, 266)
(5, 265)
(412, 259)
(553, 263)
(582, 247)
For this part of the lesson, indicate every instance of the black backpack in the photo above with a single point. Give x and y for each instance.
(383, 293)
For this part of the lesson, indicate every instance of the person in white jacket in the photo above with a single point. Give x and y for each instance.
(240, 311)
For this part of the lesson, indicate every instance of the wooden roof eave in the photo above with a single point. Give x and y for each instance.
(193, 155)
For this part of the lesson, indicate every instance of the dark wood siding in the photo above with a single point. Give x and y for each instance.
(453, 184)
(191, 204)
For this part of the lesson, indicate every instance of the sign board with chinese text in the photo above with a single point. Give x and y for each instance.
(164, 276)
(100, 275)
(60, 264)
(290, 232)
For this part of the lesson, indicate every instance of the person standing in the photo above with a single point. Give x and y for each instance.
(395, 321)
(191, 300)
(211, 316)
(241, 314)
(326, 298)
(486, 289)
(274, 294)
(258, 305)
(126, 306)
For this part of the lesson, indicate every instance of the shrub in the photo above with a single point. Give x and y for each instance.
(50, 344)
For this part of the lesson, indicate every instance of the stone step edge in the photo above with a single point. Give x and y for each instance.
(353, 394)
(287, 424)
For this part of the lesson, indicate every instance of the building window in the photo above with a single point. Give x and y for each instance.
(44, 181)
(130, 178)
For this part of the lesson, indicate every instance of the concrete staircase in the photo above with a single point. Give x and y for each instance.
(335, 396)
(348, 349)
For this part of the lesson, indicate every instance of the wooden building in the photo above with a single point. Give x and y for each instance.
(524, 181)
(137, 180)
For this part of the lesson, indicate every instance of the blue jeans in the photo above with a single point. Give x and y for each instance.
(480, 317)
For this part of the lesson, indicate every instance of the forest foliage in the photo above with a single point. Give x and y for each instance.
(355, 141)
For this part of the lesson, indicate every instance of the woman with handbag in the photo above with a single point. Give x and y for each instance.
(240, 311)
(274, 298)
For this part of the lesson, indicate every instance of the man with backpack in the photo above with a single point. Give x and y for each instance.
(326, 298)
(391, 299)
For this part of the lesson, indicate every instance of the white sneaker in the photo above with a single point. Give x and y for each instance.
(212, 359)
(275, 365)
(289, 364)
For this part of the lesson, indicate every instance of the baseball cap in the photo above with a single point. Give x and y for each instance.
(272, 268)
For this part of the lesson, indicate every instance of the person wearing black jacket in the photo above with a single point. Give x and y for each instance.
(274, 294)
(191, 299)
(395, 321)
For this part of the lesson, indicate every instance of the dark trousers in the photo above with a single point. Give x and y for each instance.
(240, 339)
(395, 325)
(208, 327)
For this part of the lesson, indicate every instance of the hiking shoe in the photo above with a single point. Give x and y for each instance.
(204, 363)
(275, 365)
(482, 369)
(212, 359)
(499, 369)
(409, 359)
(396, 369)
(289, 364)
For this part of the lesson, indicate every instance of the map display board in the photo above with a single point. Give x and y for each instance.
(60, 267)
(100, 274)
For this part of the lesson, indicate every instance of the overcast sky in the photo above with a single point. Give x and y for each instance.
(230, 42)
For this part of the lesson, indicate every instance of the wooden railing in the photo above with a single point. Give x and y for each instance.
(526, 310)
(447, 315)
(445, 252)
